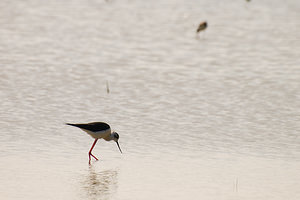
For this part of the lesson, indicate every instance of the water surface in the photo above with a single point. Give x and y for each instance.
(209, 116)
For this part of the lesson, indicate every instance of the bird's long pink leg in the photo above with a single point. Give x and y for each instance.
(90, 152)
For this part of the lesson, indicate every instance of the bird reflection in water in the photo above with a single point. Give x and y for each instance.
(100, 185)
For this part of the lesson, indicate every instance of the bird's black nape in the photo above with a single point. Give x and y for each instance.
(116, 135)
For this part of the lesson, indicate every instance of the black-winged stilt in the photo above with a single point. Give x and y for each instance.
(202, 26)
(98, 130)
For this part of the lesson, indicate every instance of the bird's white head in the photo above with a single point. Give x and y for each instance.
(115, 137)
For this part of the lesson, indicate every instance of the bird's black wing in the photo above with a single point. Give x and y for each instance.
(94, 126)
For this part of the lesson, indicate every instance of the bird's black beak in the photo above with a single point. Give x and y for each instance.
(119, 146)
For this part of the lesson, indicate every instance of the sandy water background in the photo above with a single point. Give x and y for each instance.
(214, 116)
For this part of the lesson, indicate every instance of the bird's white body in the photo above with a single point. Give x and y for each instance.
(106, 134)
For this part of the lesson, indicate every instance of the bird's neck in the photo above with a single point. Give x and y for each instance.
(109, 137)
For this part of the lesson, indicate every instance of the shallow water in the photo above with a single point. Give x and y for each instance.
(213, 116)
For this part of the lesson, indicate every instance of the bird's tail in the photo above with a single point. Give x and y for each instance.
(70, 124)
(83, 126)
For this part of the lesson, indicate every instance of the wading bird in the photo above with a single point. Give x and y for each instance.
(202, 26)
(98, 130)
